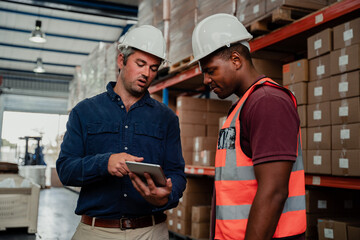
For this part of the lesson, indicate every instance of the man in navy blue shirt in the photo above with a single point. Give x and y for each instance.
(124, 124)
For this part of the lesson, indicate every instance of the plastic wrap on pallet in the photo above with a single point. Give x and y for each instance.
(112, 69)
(158, 8)
(74, 94)
(249, 10)
(182, 23)
(145, 12)
(206, 8)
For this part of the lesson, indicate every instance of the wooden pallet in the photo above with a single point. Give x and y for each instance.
(181, 65)
(277, 18)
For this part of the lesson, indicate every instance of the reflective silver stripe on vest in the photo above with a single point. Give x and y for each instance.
(237, 212)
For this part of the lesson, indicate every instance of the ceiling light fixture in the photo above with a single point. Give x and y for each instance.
(39, 66)
(37, 35)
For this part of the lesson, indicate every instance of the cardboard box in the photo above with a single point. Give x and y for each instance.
(200, 230)
(213, 118)
(201, 213)
(253, 9)
(345, 111)
(199, 185)
(192, 130)
(294, 72)
(218, 106)
(191, 104)
(319, 161)
(188, 157)
(302, 111)
(320, 201)
(221, 122)
(319, 68)
(353, 232)
(55, 181)
(187, 144)
(270, 68)
(183, 212)
(171, 224)
(346, 136)
(346, 162)
(183, 227)
(308, 4)
(304, 157)
(204, 143)
(345, 85)
(347, 34)
(319, 43)
(300, 92)
(345, 59)
(334, 229)
(311, 224)
(207, 158)
(319, 91)
(212, 131)
(318, 114)
(319, 138)
(304, 138)
(192, 117)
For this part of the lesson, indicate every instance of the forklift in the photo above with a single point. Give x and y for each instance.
(36, 158)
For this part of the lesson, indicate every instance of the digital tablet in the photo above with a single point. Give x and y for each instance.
(154, 170)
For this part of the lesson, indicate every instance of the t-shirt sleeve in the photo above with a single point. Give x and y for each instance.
(272, 125)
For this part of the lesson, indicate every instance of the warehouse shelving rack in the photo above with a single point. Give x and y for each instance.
(285, 43)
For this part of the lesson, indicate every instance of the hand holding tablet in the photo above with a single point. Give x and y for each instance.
(154, 170)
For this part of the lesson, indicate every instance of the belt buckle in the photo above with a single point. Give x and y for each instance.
(127, 223)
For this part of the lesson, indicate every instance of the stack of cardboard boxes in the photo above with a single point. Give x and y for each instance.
(197, 196)
(199, 127)
(295, 78)
(323, 204)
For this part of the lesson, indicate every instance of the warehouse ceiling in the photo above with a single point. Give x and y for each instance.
(72, 29)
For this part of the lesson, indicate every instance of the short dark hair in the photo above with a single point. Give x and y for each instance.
(225, 52)
(126, 52)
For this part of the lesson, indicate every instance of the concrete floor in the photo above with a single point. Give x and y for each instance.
(56, 219)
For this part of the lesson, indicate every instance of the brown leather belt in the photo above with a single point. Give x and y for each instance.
(125, 223)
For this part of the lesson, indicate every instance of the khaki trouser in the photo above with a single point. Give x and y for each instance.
(87, 232)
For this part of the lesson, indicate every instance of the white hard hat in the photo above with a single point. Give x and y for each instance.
(217, 31)
(146, 38)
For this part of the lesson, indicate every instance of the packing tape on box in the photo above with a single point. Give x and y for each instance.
(343, 85)
(347, 34)
(344, 108)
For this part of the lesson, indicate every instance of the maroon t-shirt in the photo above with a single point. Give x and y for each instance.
(269, 129)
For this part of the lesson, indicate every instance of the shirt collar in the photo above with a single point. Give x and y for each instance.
(146, 99)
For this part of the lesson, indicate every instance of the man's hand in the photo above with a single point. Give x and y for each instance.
(157, 196)
(117, 165)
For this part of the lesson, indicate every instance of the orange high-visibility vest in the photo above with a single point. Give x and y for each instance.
(236, 185)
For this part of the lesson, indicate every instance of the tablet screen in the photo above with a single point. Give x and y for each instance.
(154, 170)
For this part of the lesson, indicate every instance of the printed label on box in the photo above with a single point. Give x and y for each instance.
(181, 199)
(320, 70)
(171, 211)
(343, 87)
(345, 134)
(196, 158)
(329, 233)
(343, 163)
(343, 60)
(319, 18)
(316, 180)
(179, 226)
(318, 91)
(322, 204)
(171, 222)
(343, 111)
(317, 44)
(317, 115)
(348, 34)
(317, 137)
(179, 213)
(317, 160)
(256, 9)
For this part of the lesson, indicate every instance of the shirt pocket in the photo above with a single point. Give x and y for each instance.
(148, 141)
(103, 138)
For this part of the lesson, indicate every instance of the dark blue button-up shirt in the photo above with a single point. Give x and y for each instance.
(100, 126)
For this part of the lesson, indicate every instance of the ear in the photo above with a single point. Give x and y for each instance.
(236, 59)
(120, 60)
